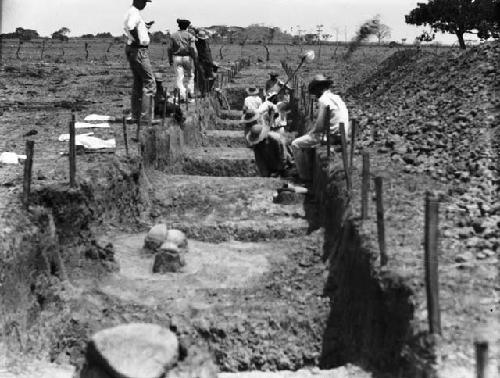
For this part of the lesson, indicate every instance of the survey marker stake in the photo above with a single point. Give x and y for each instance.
(380, 220)
(344, 157)
(365, 185)
(431, 263)
(28, 170)
(72, 151)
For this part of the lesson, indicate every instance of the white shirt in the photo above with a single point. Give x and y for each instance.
(253, 102)
(132, 21)
(338, 110)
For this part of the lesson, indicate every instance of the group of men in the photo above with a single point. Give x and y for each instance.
(265, 121)
(266, 135)
(189, 53)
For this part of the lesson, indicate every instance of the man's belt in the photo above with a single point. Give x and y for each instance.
(182, 55)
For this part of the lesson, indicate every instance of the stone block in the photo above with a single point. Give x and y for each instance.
(136, 350)
(168, 259)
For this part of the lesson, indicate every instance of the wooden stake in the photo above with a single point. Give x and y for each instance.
(344, 157)
(151, 110)
(72, 151)
(164, 109)
(380, 220)
(28, 170)
(125, 136)
(365, 185)
(431, 263)
(138, 130)
(353, 141)
(481, 347)
(327, 130)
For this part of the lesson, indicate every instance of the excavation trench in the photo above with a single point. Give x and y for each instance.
(254, 288)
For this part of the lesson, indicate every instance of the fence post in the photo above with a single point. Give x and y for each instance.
(431, 263)
(125, 134)
(380, 220)
(28, 169)
(365, 185)
(72, 151)
(353, 140)
(327, 130)
(344, 156)
(481, 348)
(164, 109)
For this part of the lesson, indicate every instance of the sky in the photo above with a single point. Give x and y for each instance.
(95, 16)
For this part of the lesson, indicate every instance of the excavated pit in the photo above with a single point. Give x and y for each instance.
(254, 287)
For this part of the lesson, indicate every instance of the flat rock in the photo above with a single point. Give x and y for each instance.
(135, 350)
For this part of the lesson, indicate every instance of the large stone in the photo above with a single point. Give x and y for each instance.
(136, 350)
(156, 237)
(177, 237)
(168, 259)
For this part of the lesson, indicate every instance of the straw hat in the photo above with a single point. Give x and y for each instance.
(252, 91)
(257, 134)
(318, 83)
(202, 34)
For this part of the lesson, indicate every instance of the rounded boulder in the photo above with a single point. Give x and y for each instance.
(136, 350)
(156, 237)
(177, 237)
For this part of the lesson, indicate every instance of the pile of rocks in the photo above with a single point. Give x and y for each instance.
(142, 350)
(169, 248)
(437, 115)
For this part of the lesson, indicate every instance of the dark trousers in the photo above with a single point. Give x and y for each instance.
(144, 80)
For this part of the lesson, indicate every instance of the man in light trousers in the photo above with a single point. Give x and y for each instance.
(144, 87)
(182, 55)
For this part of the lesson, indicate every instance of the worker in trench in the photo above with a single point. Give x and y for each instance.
(271, 154)
(320, 87)
(136, 50)
(182, 54)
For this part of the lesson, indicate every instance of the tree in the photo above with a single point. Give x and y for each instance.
(104, 35)
(457, 17)
(61, 34)
(383, 32)
(26, 35)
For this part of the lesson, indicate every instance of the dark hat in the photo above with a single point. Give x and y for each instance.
(183, 23)
(319, 82)
(273, 74)
(252, 91)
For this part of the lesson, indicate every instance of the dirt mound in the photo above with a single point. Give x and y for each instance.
(436, 114)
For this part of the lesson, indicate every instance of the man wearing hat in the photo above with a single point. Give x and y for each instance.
(205, 63)
(269, 110)
(144, 86)
(320, 87)
(252, 101)
(271, 155)
(182, 55)
(272, 83)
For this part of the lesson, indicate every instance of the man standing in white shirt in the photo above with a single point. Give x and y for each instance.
(144, 86)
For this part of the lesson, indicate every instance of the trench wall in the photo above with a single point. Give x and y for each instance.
(56, 237)
(370, 322)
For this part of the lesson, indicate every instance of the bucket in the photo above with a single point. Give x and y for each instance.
(304, 161)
